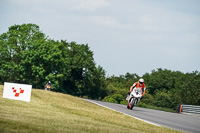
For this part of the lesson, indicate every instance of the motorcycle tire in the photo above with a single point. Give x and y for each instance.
(128, 107)
(132, 103)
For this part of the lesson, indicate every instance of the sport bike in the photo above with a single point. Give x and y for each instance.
(48, 87)
(133, 99)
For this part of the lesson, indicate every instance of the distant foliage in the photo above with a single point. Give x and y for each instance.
(165, 88)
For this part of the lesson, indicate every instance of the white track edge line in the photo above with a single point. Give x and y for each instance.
(124, 113)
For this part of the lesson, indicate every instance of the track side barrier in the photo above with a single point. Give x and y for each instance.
(192, 109)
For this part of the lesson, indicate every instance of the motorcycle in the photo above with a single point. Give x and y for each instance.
(133, 99)
(48, 88)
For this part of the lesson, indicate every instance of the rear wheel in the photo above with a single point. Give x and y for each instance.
(132, 102)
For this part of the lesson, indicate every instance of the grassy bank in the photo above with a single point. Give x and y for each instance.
(56, 112)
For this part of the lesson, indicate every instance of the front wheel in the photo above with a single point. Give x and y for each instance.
(131, 103)
(128, 107)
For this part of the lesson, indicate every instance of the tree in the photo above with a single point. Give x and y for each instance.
(188, 88)
(15, 53)
(165, 88)
(27, 56)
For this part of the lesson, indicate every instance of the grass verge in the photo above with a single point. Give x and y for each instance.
(55, 112)
(143, 105)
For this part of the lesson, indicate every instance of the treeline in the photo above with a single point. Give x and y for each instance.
(28, 56)
(165, 88)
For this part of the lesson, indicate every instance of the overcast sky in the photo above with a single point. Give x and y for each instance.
(134, 36)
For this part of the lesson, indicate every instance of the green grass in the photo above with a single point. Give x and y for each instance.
(143, 105)
(55, 112)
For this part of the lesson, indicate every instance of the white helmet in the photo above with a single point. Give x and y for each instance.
(141, 81)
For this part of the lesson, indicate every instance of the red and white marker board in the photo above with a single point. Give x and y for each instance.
(17, 91)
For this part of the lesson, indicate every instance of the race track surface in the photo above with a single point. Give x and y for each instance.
(183, 122)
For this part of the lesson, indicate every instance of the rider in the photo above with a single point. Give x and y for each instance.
(140, 86)
(48, 86)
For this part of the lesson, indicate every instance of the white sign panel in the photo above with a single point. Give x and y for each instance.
(17, 91)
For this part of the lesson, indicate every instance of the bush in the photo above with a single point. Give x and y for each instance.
(123, 102)
(141, 104)
(148, 99)
(163, 99)
(115, 98)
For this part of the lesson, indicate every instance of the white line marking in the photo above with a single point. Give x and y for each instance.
(124, 113)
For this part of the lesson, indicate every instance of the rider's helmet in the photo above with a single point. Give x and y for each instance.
(49, 82)
(141, 81)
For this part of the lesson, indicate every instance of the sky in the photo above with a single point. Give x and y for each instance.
(129, 36)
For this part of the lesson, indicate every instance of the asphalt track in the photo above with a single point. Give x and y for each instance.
(183, 122)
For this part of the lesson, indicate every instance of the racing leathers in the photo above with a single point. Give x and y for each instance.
(48, 86)
(140, 88)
